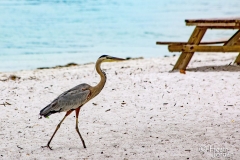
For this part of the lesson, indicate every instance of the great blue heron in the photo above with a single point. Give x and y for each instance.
(76, 97)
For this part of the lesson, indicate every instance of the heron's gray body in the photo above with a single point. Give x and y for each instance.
(68, 100)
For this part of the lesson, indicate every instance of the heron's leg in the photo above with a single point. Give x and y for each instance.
(58, 126)
(77, 113)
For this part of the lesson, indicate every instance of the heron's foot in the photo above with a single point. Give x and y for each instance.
(84, 146)
(47, 147)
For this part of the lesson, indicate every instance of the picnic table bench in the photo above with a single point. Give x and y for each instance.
(194, 43)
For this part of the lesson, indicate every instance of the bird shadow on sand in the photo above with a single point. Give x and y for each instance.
(212, 68)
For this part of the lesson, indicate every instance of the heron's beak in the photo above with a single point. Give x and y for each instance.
(114, 59)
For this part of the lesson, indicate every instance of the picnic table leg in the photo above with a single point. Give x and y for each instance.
(237, 60)
(233, 41)
(185, 57)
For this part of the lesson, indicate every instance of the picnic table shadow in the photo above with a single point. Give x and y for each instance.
(215, 68)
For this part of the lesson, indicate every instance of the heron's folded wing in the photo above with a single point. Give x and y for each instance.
(72, 99)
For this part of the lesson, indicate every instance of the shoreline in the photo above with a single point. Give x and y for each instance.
(75, 64)
(70, 64)
(174, 56)
(143, 112)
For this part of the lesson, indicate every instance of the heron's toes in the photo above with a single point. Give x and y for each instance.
(47, 147)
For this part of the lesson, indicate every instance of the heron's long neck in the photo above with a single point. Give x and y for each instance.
(103, 77)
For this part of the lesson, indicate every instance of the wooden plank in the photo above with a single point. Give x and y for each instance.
(223, 22)
(223, 27)
(197, 48)
(214, 20)
(217, 25)
(185, 43)
(185, 57)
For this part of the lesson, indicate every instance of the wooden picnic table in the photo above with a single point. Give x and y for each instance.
(194, 43)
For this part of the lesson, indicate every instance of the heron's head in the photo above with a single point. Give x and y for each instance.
(106, 58)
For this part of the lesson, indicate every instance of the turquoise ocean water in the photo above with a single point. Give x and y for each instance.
(43, 33)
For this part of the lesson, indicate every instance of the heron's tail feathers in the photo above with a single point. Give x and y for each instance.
(48, 110)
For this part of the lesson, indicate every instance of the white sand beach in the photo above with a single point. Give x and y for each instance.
(143, 112)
